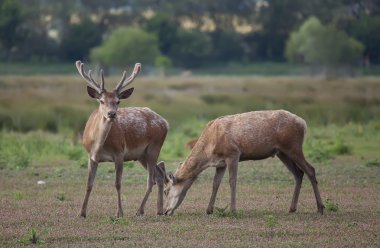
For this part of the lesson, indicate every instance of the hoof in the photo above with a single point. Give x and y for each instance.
(292, 210)
(209, 211)
(320, 210)
(139, 213)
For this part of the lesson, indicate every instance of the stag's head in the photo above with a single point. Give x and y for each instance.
(108, 101)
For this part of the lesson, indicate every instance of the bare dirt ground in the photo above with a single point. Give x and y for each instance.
(264, 194)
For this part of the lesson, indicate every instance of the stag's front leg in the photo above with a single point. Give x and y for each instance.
(219, 173)
(92, 167)
(119, 174)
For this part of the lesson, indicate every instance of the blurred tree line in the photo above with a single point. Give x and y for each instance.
(191, 33)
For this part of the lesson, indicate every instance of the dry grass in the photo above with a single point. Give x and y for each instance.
(264, 189)
(59, 102)
(50, 212)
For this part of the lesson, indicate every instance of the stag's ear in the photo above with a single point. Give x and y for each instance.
(126, 93)
(92, 92)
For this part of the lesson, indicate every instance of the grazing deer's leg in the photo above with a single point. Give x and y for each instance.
(160, 199)
(301, 162)
(119, 173)
(298, 176)
(232, 169)
(92, 166)
(219, 173)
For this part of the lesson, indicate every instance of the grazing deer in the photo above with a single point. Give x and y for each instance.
(248, 136)
(122, 134)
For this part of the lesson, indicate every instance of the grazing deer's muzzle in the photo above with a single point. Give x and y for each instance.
(169, 212)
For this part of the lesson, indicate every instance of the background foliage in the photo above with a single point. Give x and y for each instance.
(190, 33)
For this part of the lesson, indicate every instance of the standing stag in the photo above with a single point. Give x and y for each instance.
(119, 135)
(248, 136)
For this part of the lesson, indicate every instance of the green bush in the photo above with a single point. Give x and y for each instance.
(127, 46)
(316, 44)
(192, 48)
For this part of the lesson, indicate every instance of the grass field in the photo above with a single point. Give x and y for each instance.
(40, 117)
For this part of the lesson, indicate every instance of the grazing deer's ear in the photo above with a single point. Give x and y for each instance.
(92, 92)
(171, 178)
(126, 93)
(161, 173)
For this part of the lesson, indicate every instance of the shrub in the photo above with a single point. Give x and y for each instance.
(192, 48)
(126, 46)
(316, 44)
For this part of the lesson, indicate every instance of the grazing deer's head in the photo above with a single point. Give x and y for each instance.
(174, 193)
(109, 101)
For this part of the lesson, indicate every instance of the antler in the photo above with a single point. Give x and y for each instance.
(88, 77)
(124, 82)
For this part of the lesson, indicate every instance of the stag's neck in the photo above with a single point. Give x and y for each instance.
(97, 133)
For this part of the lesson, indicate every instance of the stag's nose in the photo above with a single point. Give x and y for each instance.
(112, 114)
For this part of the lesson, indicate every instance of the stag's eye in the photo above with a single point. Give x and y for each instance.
(118, 102)
(101, 101)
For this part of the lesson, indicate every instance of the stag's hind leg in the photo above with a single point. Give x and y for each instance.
(299, 159)
(298, 176)
(92, 167)
(150, 163)
(219, 173)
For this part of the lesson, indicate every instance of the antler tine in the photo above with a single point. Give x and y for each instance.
(124, 82)
(119, 85)
(102, 80)
(88, 77)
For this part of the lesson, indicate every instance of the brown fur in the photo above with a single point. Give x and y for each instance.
(113, 134)
(191, 143)
(248, 136)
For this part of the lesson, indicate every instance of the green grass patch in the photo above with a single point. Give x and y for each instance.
(18, 195)
(31, 238)
(18, 150)
(330, 205)
(270, 220)
(60, 196)
(373, 163)
(118, 221)
(224, 212)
